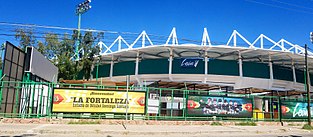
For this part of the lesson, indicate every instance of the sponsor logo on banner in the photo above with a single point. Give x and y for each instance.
(189, 62)
(83, 100)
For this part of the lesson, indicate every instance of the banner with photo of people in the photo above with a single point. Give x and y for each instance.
(219, 106)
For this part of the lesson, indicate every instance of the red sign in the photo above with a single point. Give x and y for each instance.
(57, 99)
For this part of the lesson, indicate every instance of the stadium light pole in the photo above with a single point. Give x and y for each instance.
(80, 9)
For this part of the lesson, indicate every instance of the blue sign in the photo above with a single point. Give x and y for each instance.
(189, 62)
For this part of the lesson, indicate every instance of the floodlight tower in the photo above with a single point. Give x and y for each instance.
(80, 9)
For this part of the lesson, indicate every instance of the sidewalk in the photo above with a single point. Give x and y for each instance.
(148, 130)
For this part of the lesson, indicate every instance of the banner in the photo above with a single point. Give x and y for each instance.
(219, 106)
(85, 100)
(295, 110)
(189, 62)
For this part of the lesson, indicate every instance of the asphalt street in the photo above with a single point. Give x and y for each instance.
(62, 130)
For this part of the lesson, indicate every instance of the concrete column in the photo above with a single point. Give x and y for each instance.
(111, 67)
(206, 63)
(170, 62)
(206, 58)
(137, 64)
(240, 64)
(294, 72)
(270, 63)
(137, 70)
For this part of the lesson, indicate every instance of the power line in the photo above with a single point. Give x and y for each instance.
(160, 39)
(276, 6)
(61, 28)
(294, 5)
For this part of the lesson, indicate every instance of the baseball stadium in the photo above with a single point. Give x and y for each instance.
(260, 79)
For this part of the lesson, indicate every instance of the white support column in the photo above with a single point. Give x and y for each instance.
(143, 42)
(205, 65)
(172, 36)
(111, 67)
(137, 69)
(294, 72)
(262, 41)
(235, 38)
(240, 64)
(137, 64)
(119, 43)
(170, 64)
(271, 68)
(205, 38)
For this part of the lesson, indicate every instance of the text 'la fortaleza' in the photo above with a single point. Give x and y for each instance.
(100, 102)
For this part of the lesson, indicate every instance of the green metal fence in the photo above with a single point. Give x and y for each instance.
(34, 100)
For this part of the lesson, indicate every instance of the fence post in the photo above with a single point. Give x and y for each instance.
(279, 111)
(1, 88)
(172, 101)
(146, 102)
(40, 102)
(159, 103)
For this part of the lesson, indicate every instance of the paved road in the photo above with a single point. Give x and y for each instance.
(64, 130)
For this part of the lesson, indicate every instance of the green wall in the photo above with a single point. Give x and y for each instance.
(223, 67)
(104, 71)
(300, 76)
(256, 70)
(282, 73)
(153, 66)
(124, 68)
(216, 67)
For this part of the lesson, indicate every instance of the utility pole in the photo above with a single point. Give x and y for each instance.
(80, 9)
(307, 85)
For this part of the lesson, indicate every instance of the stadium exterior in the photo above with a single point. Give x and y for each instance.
(259, 80)
(279, 66)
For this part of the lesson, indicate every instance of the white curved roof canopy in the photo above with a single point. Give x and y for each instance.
(281, 53)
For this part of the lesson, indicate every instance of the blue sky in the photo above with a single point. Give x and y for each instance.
(288, 19)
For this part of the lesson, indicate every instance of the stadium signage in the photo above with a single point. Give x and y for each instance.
(84, 100)
(219, 106)
(296, 110)
(189, 62)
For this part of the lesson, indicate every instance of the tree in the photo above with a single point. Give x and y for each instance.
(63, 60)
(60, 50)
(90, 51)
(1, 51)
(26, 37)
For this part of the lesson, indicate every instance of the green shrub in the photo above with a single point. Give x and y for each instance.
(246, 124)
(216, 124)
(307, 127)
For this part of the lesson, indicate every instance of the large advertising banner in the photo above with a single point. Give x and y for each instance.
(296, 110)
(219, 106)
(85, 100)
